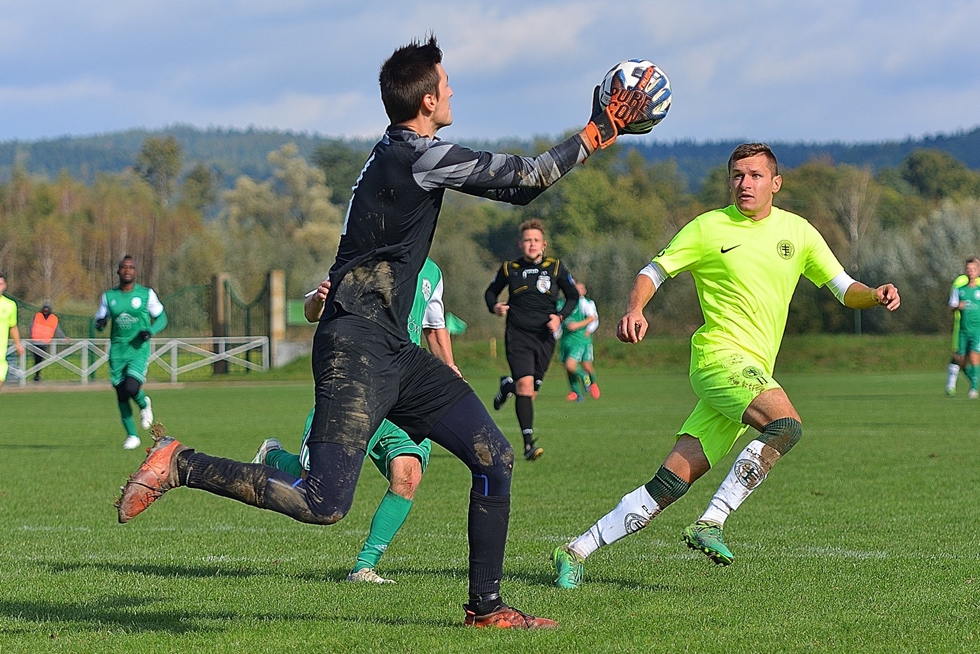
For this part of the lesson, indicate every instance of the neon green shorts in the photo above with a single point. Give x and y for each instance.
(3, 369)
(386, 443)
(725, 389)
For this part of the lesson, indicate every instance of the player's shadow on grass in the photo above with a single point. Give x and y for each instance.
(125, 612)
(160, 570)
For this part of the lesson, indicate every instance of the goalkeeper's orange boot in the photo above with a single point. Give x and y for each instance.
(155, 476)
(507, 617)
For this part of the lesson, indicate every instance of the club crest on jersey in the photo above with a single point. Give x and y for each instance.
(785, 249)
(426, 289)
(543, 284)
(136, 303)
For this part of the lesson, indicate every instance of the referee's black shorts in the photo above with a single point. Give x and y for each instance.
(528, 353)
(363, 374)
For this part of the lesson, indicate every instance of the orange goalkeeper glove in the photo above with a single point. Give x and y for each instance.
(625, 106)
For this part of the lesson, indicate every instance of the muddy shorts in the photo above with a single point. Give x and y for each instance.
(363, 374)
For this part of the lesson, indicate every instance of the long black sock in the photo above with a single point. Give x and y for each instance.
(489, 517)
(524, 406)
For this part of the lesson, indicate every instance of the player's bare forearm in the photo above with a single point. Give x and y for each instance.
(313, 306)
(633, 326)
(440, 345)
(860, 296)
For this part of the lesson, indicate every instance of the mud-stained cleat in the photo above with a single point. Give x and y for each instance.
(368, 576)
(267, 446)
(594, 391)
(155, 476)
(569, 566)
(132, 442)
(507, 618)
(146, 415)
(533, 453)
(706, 537)
(502, 394)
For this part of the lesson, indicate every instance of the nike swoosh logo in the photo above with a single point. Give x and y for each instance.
(724, 250)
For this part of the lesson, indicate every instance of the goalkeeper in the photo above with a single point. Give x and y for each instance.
(365, 367)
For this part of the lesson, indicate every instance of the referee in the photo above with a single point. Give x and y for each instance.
(532, 282)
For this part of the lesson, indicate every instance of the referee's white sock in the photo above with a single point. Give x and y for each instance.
(633, 513)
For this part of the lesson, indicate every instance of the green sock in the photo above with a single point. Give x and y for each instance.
(126, 411)
(141, 399)
(574, 383)
(387, 520)
(285, 461)
(973, 374)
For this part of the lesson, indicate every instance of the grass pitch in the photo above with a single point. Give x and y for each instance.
(864, 538)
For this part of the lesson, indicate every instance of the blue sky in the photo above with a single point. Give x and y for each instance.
(768, 70)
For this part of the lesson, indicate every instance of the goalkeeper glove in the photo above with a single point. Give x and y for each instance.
(625, 106)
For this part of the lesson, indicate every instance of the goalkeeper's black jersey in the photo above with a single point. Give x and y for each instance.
(533, 292)
(393, 213)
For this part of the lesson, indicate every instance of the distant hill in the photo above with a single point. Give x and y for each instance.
(231, 153)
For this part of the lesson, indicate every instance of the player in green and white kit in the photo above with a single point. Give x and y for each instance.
(137, 315)
(965, 301)
(391, 450)
(953, 369)
(575, 348)
(746, 260)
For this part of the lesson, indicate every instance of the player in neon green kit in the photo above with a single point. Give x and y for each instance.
(953, 369)
(8, 327)
(137, 315)
(391, 450)
(746, 260)
(965, 301)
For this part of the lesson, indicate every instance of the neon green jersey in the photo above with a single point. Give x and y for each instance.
(745, 272)
(8, 319)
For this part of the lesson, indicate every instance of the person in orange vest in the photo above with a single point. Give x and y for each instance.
(44, 327)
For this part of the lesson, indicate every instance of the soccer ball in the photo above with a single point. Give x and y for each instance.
(629, 73)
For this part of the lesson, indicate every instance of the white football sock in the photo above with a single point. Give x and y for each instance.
(750, 470)
(953, 371)
(633, 513)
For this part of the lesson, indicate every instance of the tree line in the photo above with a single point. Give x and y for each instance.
(913, 224)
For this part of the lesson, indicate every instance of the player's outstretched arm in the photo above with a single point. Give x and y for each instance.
(633, 326)
(860, 296)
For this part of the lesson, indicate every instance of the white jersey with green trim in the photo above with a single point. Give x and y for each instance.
(746, 272)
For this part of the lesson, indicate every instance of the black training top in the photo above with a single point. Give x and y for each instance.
(533, 294)
(392, 215)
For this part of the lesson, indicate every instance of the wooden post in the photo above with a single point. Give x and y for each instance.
(277, 314)
(219, 318)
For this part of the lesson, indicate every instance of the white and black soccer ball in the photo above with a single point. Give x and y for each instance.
(629, 73)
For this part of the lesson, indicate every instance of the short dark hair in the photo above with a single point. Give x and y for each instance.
(407, 76)
(126, 257)
(747, 150)
(533, 223)
(970, 260)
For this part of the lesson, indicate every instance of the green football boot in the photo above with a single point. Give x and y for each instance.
(706, 537)
(569, 566)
